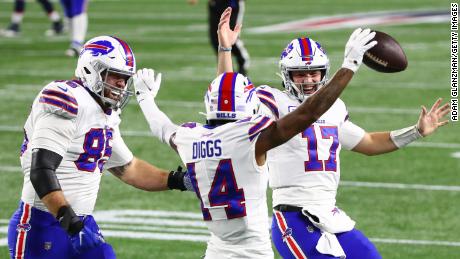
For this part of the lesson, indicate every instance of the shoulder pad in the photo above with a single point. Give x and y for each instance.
(57, 98)
(268, 99)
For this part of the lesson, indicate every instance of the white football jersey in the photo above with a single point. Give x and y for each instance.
(306, 169)
(65, 119)
(230, 185)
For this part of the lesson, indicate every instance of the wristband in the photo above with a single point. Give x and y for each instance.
(224, 49)
(403, 137)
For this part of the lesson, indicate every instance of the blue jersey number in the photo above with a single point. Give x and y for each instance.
(224, 191)
(95, 146)
(313, 163)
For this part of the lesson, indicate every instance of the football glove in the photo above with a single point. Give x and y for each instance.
(179, 180)
(86, 239)
(82, 237)
(146, 84)
(357, 45)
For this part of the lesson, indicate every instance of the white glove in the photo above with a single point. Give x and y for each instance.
(145, 83)
(356, 46)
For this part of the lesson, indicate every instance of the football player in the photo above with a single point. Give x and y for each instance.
(226, 156)
(305, 171)
(18, 14)
(71, 134)
(76, 13)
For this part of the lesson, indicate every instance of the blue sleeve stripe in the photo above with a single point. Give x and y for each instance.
(60, 95)
(259, 126)
(59, 104)
(254, 136)
(265, 93)
(271, 106)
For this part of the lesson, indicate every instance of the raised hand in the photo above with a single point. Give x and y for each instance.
(227, 37)
(145, 83)
(428, 122)
(357, 45)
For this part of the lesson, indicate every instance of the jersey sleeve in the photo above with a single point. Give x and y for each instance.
(257, 125)
(269, 106)
(57, 98)
(350, 134)
(55, 111)
(53, 132)
(121, 155)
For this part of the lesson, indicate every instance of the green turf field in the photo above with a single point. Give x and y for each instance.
(415, 216)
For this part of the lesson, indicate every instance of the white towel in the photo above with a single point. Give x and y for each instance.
(330, 220)
(328, 244)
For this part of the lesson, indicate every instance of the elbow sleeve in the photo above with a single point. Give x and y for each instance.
(43, 171)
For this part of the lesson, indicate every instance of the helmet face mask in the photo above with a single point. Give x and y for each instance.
(303, 54)
(102, 60)
(230, 97)
(115, 97)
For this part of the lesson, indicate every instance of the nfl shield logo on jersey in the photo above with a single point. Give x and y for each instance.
(47, 245)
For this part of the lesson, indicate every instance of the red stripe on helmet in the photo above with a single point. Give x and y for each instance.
(226, 92)
(306, 47)
(128, 52)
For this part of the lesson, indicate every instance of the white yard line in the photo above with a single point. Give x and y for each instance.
(414, 242)
(377, 185)
(148, 224)
(419, 187)
(3, 241)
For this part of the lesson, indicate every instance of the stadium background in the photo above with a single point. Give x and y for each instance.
(415, 216)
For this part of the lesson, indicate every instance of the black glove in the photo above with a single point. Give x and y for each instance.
(82, 237)
(179, 180)
(69, 221)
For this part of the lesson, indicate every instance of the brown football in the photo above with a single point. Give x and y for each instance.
(387, 56)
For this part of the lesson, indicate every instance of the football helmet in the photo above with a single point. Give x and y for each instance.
(303, 54)
(231, 97)
(101, 56)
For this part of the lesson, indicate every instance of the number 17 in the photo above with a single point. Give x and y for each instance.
(313, 163)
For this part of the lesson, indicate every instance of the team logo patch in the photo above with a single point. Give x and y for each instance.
(335, 211)
(100, 47)
(23, 227)
(287, 234)
(320, 48)
(287, 50)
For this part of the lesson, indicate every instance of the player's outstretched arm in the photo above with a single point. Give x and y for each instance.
(227, 38)
(310, 110)
(145, 176)
(146, 88)
(375, 143)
